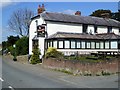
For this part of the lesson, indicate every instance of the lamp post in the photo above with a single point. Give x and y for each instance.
(14, 58)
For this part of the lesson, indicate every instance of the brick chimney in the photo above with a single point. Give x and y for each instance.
(41, 9)
(78, 13)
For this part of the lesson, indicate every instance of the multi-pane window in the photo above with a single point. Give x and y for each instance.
(88, 44)
(101, 45)
(60, 44)
(109, 29)
(72, 44)
(114, 44)
(97, 45)
(50, 43)
(78, 44)
(67, 44)
(106, 44)
(55, 44)
(92, 44)
(83, 44)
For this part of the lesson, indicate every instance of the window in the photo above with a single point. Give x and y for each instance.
(85, 28)
(97, 45)
(109, 29)
(55, 44)
(101, 45)
(106, 44)
(78, 44)
(83, 44)
(88, 44)
(60, 44)
(67, 44)
(72, 44)
(114, 44)
(92, 44)
(50, 43)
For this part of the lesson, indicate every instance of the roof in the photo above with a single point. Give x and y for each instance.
(65, 35)
(60, 17)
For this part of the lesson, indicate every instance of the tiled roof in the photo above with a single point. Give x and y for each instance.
(105, 36)
(60, 17)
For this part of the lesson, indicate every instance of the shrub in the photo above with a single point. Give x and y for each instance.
(11, 50)
(35, 57)
(52, 52)
(22, 46)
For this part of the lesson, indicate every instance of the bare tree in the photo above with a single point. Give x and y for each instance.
(20, 20)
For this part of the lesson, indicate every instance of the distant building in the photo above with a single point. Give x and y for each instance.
(73, 33)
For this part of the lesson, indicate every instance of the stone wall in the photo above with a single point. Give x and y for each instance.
(78, 67)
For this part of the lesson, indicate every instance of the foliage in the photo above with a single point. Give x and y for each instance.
(35, 57)
(113, 15)
(11, 50)
(20, 20)
(52, 52)
(22, 46)
(98, 13)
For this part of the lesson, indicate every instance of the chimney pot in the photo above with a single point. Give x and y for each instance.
(78, 13)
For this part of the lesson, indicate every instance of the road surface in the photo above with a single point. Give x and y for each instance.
(16, 75)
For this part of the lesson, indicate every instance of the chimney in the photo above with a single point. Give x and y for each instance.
(41, 9)
(78, 13)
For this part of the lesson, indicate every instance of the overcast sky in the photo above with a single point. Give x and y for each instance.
(86, 9)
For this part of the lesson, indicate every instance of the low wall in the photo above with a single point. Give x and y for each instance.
(79, 67)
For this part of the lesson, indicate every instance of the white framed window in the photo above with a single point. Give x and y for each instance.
(106, 44)
(60, 44)
(114, 44)
(50, 43)
(97, 45)
(88, 44)
(92, 44)
(83, 44)
(55, 44)
(78, 44)
(101, 45)
(67, 44)
(72, 44)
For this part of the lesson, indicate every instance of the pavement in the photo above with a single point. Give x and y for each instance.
(16, 75)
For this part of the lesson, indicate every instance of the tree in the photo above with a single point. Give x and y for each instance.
(98, 13)
(20, 20)
(112, 15)
(22, 46)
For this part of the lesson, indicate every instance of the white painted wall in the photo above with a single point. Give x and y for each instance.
(53, 27)
(32, 33)
(115, 30)
(102, 29)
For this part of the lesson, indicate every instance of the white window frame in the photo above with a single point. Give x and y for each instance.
(106, 45)
(55, 44)
(72, 44)
(83, 44)
(78, 44)
(67, 44)
(114, 44)
(60, 44)
(93, 45)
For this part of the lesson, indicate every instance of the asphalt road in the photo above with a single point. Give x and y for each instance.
(16, 75)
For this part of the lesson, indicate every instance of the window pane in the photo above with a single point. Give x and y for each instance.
(106, 44)
(50, 43)
(67, 44)
(60, 44)
(83, 44)
(78, 44)
(97, 45)
(92, 44)
(72, 44)
(88, 44)
(101, 45)
(114, 44)
(55, 44)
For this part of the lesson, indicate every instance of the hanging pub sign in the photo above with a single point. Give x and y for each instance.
(41, 30)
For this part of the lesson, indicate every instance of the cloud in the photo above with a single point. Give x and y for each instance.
(69, 11)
